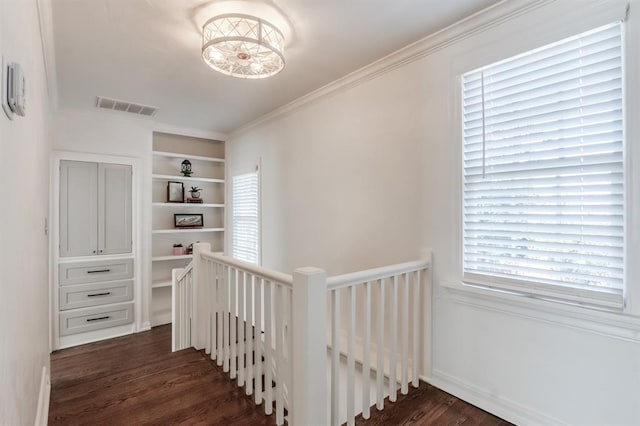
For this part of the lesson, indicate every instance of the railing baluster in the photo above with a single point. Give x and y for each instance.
(190, 330)
(380, 347)
(219, 323)
(233, 318)
(416, 328)
(288, 299)
(257, 298)
(366, 352)
(206, 294)
(404, 373)
(268, 332)
(393, 391)
(214, 310)
(249, 334)
(280, 368)
(241, 344)
(225, 313)
(335, 358)
(351, 361)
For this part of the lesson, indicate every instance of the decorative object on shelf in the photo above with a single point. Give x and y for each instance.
(178, 249)
(242, 46)
(175, 192)
(188, 220)
(195, 195)
(186, 168)
(189, 249)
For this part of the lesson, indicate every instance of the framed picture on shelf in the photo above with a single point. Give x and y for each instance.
(188, 220)
(175, 192)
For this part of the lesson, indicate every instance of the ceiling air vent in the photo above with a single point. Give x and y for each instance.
(125, 106)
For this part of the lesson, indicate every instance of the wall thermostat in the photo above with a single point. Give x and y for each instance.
(13, 90)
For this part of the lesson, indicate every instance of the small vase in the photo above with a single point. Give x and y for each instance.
(195, 194)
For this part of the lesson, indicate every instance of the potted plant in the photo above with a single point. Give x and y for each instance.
(195, 192)
(178, 249)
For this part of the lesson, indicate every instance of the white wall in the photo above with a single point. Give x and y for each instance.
(370, 175)
(24, 174)
(115, 134)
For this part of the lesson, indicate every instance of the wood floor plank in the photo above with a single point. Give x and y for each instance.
(137, 380)
(428, 406)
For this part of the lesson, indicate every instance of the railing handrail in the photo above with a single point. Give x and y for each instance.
(185, 271)
(355, 278)
(268, 274)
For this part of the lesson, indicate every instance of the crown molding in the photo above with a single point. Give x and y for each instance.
(45, 19)
(478, 22)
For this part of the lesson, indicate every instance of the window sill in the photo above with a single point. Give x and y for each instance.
(611, 324)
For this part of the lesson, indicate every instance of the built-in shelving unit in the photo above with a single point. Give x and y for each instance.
(187, 179)
(188, 205)
(189, 230)
(207, 158)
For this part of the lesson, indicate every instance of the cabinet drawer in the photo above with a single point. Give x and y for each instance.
(95, 271)
(81, 296)
(90, 319)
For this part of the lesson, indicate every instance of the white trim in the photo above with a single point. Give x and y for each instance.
(45, 18)
(454, 33)
(146, 326)
(609, 324)
(96, 336)
(500, 406)
(42, 415)
(187, 131)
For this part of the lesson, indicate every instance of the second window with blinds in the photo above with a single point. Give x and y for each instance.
(245, 218)
(543, 171)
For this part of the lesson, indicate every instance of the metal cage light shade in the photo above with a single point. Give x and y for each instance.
(242, 46)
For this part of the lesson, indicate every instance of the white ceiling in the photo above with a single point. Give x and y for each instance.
(148, 51)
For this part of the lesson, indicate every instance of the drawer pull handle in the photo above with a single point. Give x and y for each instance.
(98, 271)
(98, 319)
(99, 294)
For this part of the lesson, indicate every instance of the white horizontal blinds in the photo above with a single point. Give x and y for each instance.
(543, 169)
(246, 224)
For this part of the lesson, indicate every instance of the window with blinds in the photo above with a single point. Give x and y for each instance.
(246, 217)
(543, 184)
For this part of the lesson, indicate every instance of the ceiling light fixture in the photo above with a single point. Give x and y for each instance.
(242, 46)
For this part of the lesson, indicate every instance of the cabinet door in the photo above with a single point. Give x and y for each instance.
(78, 208)
(114, 209)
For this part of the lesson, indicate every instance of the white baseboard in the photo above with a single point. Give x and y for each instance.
(505, 408)
(42, 415)
(146, 326)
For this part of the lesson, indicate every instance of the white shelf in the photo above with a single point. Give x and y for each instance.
(187, 179)
(158, 204)
(187, 156)
(189, 230)
(170, 257)
(161, 283)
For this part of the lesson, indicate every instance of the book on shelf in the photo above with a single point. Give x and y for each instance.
(194, 200)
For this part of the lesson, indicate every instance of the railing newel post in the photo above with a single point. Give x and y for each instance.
(309, 326)
(201, 307)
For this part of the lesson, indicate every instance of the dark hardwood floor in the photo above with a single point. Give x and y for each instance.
(429, 406)
(137, 380)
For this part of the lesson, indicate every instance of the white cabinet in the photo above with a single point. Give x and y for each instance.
(95, 288)
(95, 208)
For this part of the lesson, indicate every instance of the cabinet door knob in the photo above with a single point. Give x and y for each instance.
(94, 252)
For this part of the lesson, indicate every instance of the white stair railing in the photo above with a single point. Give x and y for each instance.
(268, 331)
(384, 340)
